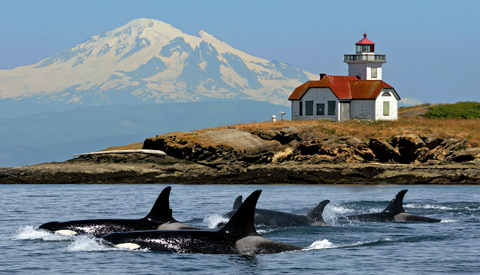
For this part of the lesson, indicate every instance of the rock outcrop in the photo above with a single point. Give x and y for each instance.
(296, 144)
(284, 155)
(219, 146)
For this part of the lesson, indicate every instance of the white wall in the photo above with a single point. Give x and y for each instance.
(393, 115)
(317, 95)
(364, 70)
(379, 72)
(363, 109)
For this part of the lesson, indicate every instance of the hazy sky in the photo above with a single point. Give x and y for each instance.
(431, 46)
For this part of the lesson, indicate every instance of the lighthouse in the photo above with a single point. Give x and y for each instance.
(365, 63)
(360, 95)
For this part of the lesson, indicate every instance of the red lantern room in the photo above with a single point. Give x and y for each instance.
(365, 45)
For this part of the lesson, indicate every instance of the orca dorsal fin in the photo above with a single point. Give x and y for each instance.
(161, 211)
(238, 202)
(396, 205)
(316, 214)
(242, 222)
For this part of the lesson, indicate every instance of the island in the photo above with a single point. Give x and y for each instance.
(413, 150)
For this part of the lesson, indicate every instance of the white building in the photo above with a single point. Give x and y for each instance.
(362, 94)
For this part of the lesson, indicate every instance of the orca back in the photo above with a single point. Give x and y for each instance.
(396, 204)
(161, 212)
(242, 222)
(316, 214)
(237, 203)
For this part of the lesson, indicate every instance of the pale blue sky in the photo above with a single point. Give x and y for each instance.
(431, 46)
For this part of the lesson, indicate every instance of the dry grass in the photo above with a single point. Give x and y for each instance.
(452, 128)
(133, 146)
(410, 121)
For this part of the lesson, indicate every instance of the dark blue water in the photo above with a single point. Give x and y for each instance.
(452, 246)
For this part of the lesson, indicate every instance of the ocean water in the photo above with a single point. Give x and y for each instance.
(452, 246)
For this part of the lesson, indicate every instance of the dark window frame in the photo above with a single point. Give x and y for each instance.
(320, 109)
(332, 106)
(309, 108)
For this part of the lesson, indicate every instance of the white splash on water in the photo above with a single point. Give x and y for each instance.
(213, 221)
(338, 210)
(87, 243)
(332, 212)
(80, 243)
(449, 221)
(323, 244)
(326, 244)
(32, 233)
(375, 210)
(264, 230)
(428, 206)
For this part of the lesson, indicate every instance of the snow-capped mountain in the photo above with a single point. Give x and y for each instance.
(148, 60)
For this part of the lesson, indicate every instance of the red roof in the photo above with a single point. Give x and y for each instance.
(344, 87)
(365, 41)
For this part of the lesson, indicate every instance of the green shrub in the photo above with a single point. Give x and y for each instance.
(463, 110)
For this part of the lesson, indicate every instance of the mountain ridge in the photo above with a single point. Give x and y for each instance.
(151, 61)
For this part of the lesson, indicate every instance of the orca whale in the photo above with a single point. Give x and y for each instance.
(282, 219)
(237, 237)
(160, 217)
(393, 213)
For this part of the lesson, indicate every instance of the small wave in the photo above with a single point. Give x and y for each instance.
(428, 206)
(323, 244)
(88, 243)
(213, 221)
(326, 244)
(265, 230)
(32, 233)
(339, 210)
(375, 210)
(470, 209)
(449, 221)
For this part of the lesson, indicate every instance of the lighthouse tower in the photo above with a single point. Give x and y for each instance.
(365, 64)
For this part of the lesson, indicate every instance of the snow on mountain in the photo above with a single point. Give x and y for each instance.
(148, 60)
(409, 101)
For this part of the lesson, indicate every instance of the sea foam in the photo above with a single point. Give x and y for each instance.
(32, 233)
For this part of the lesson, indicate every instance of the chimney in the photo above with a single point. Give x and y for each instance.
(322, 76)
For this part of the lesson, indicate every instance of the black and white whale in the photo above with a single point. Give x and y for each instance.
(160, 217)
(237, 237)
(393, 213)
(282, 219)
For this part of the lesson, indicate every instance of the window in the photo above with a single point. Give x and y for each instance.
(309, 108)
(365, 48)
(386, 108)
(320, 109)
(386, 94)
(300, 108)
(331, 108)
(374, 72)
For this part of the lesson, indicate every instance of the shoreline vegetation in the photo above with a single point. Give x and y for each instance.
(426, 145)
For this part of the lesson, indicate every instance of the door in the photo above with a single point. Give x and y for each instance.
(344, 111)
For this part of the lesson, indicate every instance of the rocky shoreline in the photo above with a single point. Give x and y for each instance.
(282, 155)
